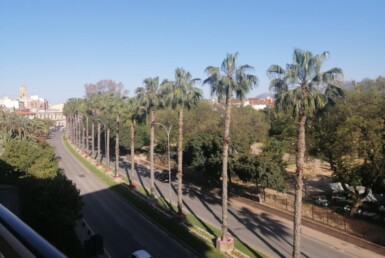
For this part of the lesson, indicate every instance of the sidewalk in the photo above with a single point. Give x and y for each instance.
(337, 239)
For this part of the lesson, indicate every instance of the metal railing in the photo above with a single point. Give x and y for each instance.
(22, 239)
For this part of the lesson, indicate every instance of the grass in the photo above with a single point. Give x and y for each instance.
(190, 232)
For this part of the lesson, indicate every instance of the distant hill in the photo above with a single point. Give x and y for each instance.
(266, 94)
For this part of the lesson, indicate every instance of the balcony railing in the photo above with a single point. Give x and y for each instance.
(18, 238)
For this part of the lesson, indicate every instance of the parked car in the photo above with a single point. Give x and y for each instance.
(141, 254)
(322, 201)
(162, 176)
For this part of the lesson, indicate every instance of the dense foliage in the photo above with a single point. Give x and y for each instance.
(50, 203)
(351, 137)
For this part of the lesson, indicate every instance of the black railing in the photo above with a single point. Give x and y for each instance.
(23, 239)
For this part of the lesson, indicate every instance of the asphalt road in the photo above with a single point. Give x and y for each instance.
(123, 228)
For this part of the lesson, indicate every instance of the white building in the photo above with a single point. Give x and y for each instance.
(9, 103)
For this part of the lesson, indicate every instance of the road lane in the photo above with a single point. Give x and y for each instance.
(122, 227)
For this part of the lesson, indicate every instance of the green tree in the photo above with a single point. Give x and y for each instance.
(224, 82)
(181, 94)
(149, 98)
(31, 158)
(249, 126)
(203, 153)
(298, 90)
(350, 136)
(51, 206)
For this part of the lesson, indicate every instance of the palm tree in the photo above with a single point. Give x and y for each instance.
(103, 104)
(224, 82)
(179, 94)
(297, 90)
(149, 99)
(117, 110)
(132, 113)
(95, 105)
(39, 128)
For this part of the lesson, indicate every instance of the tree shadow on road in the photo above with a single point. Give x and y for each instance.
(262, 226)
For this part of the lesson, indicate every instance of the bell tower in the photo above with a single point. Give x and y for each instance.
(23, 91)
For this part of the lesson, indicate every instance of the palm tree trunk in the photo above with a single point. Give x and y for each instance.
(84, 140)
(132, 152)
(93, 138)
(77, 131)
(99, 151)
(226, 141)
(108, 148)
(87, 135)
(117, 146)
(180, 160)
(152, 136)
(79, 134)
(300, 154)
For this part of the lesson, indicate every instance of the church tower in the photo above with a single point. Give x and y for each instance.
(23, 92)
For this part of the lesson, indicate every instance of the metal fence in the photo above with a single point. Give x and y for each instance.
(370, 231)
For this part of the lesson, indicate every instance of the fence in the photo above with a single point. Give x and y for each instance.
(371, 232)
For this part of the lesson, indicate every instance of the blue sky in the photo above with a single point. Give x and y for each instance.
(55, 47)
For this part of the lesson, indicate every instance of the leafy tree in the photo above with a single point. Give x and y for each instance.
(149, 98)
(249, 126)
(224, 82)
(181, 94)
(298, 90)
(108, 86)
(350, 136)
(141, 137)
(51, 206)
(31, 158)
(50, 202)
(203, 154)
(265, 170)
(283, 128)
(203, 117)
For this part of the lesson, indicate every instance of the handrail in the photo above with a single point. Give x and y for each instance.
(32, 241)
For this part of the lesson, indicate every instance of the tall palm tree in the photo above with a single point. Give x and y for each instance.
(117, 110)
(180, 94)
(95, 106)
(103, 105)
(298, 90)
(149, 98)
(75, 108)
(132, 113)
(226, 81)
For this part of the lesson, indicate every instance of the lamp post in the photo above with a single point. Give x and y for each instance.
(168, 130)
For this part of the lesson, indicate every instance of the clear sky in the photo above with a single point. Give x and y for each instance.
(54, 47)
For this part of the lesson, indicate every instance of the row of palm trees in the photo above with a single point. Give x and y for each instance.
(297, 90)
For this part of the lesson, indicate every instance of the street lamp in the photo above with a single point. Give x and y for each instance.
(168, 130)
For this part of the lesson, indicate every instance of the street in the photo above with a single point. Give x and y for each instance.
(123, 228)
